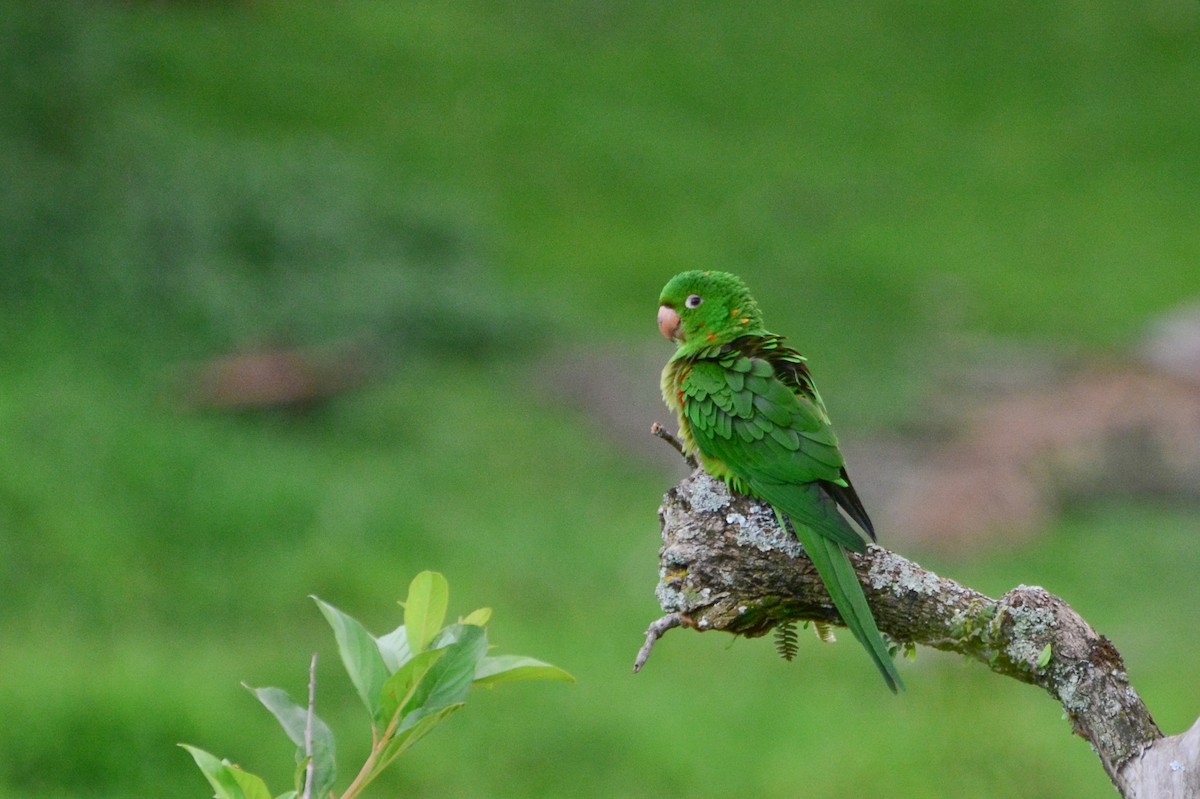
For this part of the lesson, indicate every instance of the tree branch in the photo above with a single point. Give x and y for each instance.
(726, 565)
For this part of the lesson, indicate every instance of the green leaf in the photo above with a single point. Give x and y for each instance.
(512, 668)
(299, 774)
(397, 688)
(478, 617)
(447, 675)
(229, 781)
(252, 785)
(360, 655)
(425, 608)
(394, 648)
(448, 636)
(294, 720)
(288, 795)
(449, 679)
(1044, 657)
(407, 737)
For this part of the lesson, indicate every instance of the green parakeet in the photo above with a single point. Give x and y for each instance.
(748, 407)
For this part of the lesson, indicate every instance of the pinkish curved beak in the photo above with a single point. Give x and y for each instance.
(668, 322)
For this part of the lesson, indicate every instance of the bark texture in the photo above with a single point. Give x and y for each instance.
(726, 565)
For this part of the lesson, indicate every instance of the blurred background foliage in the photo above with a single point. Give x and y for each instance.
(458, 198)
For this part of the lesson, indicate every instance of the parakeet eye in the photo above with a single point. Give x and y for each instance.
(693, 301)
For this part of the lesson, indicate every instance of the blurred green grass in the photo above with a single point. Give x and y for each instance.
(461, 184)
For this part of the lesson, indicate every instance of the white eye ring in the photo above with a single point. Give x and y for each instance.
(693, 301)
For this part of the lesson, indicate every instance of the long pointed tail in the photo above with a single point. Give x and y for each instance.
(842, 583)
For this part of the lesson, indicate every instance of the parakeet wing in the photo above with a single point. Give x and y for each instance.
(774, 438)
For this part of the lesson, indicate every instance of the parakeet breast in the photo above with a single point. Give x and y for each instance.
(672, 393)
(673, 375)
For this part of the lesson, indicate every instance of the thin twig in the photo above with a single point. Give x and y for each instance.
(311, 767)
(660, 431)
(655, 631)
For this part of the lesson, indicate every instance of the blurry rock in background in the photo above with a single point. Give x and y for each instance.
(1014, 461)
(1021, 439)
(1172, 345)
(276, 378)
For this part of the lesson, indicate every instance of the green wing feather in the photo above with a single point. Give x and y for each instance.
(759, 423)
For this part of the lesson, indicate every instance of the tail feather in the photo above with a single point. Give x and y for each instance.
(833, 565)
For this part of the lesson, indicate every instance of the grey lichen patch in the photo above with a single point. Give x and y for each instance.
(1031, 628)
(707, 495)
(901, 576)
(677, 593)
(1073, 700)
(674, 597)
(760, 531)
(670, 600)
(1031, 622)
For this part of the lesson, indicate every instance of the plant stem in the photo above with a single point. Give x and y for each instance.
(378, 744)
(310, 769)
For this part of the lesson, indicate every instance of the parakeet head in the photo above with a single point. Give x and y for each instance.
(698, 309)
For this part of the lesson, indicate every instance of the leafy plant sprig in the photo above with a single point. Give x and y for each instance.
(409, 681)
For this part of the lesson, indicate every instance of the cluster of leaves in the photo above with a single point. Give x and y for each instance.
(409, 680)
